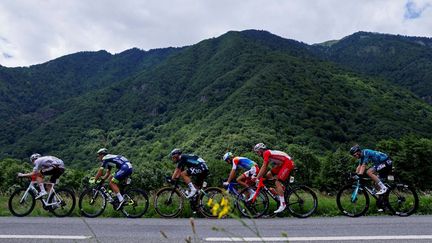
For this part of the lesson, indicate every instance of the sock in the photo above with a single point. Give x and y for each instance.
(282, 200)
(251, 192)
(41, 187)
(381, 185)
(191, 186)
(119, 196)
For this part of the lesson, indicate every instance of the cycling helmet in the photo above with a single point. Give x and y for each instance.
(175, 151)
(259, 146)
(227, 156)
(354, 149)
(34, 157)
(102, 151)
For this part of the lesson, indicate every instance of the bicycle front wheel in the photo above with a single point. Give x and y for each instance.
(63, 202)
(21, 202)
(301, 201)
(137, 203)
(168, 202)
(214, 203)
(252, 209)
(92, 203)
(350, 203)
(402, 200)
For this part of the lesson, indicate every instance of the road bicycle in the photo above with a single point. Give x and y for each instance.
(301, 200)
(353, 198)
(169, 200)
(60, 202)
(92, 201)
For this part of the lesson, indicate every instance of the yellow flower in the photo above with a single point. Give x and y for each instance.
(210, 202)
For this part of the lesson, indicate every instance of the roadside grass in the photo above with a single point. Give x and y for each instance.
(326, 208)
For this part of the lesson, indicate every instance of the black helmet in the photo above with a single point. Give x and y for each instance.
(354, 149)
(175, 151)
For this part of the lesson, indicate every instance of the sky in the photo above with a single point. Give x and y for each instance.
(36, 31)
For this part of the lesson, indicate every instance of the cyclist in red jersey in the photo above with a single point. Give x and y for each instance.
(282, 167)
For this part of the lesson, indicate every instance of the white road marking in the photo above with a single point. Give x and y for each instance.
(54, 237)
(323, 238)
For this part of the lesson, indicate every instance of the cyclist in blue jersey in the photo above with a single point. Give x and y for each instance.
(124, 170)
(251, 169)
(382, 165)
(196, 166)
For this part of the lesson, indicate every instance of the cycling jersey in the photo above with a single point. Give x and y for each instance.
(276, 157)
(50, 165)
(191, 161)
(282, 163)
(46, 162)
(242, 162)
(121, 163)
(376, 157)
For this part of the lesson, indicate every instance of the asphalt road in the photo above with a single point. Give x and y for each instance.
(335, 229)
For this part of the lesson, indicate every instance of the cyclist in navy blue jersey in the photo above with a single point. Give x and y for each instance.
(381, 165)
(124, 170)
(196, 166)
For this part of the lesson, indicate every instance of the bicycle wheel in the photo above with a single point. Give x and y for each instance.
(352, 207)
(92, 203)
(21, 202)
(402, 200)
(301, 201)
(211, 197)
(137, 203)
(168, 202)
(249, 209)
(64, 200)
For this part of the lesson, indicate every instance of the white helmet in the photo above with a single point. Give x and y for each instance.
(34, 157)
(102, 151)
(259, 146)
(227, 156)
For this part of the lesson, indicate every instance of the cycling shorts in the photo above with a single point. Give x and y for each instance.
(200, 172)
(384, 168)
(283, 171)
(124, 171)
(54, 171)
(254, 170)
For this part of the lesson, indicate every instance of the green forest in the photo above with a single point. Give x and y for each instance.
(225, 94)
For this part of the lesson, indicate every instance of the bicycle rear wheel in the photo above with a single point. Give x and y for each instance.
(301, 201)
(352, 205)
(211, 197)
(21, 202)
(65, 202)
(255, 209)
(92, 203)
(137, 203)
(402, 200)
(168, 202)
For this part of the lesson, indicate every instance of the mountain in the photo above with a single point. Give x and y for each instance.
(223, 93)
(405, 61)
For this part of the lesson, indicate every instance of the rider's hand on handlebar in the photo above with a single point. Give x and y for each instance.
(20, 174)
(225, 184)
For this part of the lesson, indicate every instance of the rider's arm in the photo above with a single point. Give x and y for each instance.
(28, 174)
(231, 175)
(176, 174)
(361, 169)
(263, 169)
(107, 174)
(99, 173)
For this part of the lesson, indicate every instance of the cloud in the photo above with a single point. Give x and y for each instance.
(412, 11)
(38, 31)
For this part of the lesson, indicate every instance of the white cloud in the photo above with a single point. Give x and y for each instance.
(35, 31)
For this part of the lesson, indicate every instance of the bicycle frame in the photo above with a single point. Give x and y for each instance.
(45, 202)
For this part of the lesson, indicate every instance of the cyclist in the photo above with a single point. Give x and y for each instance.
(251, 169)
(382, 165)
(124, 170)
(45, 165)
(196, 167)
(282, 167)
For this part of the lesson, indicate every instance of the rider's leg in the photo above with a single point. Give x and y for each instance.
(371, 172)
(186, 178)
(39, 179)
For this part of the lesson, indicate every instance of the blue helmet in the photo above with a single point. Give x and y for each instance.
(227, 156)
